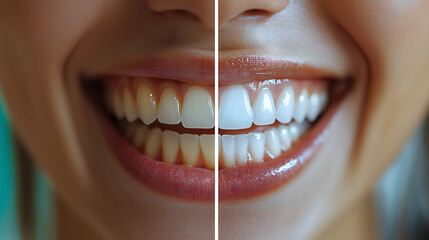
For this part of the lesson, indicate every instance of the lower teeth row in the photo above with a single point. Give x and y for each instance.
(198, 150)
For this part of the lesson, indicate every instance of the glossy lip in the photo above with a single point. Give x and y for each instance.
(243, 182)
(232, 70)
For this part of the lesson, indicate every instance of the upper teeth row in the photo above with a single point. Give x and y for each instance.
(236, 112)
(235, 108)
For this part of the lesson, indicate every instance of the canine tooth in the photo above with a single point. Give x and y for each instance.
(301, 106)
(241, 148)
(170, 146)
(146, 104)
(272, 142)
(198, 109)
(207, 150)
(228, 150)
(117, 105)
(314, 107)
(129, 106)
(285, 105)
(285, 137)
(189, 145)
(235, 111)
(256, 146)
(169, 107)
(263, 108)
(153, 143)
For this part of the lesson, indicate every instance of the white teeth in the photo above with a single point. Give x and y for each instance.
(313, 107)
(263, 108)
(301, 104)
(207, 149)
(228, 151)
(288, 106)
(129, 106)
(242, 144)
(285, 105)
(170, 146)
(257, 146)
(198, 109)
(234, 150)
(235, 111)
(146, 104)
(285, 137)
(169, 107)
(272, 143)
(189, 145)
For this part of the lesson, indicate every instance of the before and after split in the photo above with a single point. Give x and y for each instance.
(214, 119)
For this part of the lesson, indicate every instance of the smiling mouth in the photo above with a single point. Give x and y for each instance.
(162, 129)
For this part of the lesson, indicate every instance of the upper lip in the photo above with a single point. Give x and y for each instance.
(199, 68)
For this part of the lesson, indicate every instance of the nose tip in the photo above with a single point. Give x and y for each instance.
(202, 9)
(229, 9)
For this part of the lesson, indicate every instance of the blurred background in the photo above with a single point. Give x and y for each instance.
(8, 191)
(8, 218)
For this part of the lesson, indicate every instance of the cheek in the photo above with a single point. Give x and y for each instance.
(40, 38)
(394, 37)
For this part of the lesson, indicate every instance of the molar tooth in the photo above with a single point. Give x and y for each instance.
(285, 105)
(198, 109)
(235, 111)
(170, 146)
(241, 148)
(263, 108)
(228, 151)
(152, 146)
(314, 107)
(272, 143)
(285, 137)
(189, 145)
(129, 106)
(169, 107)
(256, 146)
(207, 150)
(146, 104)
(301, 106)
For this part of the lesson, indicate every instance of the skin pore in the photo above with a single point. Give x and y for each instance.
(381, 45)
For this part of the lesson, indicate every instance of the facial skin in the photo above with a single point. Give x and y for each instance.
(381, 45)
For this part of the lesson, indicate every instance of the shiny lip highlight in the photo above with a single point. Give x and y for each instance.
(234, 184)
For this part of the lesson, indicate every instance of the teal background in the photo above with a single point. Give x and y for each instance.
(8, 216)
(8, 207)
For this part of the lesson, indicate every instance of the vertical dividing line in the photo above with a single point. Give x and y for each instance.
(216, 120)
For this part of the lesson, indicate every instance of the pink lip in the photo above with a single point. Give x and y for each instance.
(238, 183)
(232, 70)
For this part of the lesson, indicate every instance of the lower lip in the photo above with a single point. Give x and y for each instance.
(197, 184)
